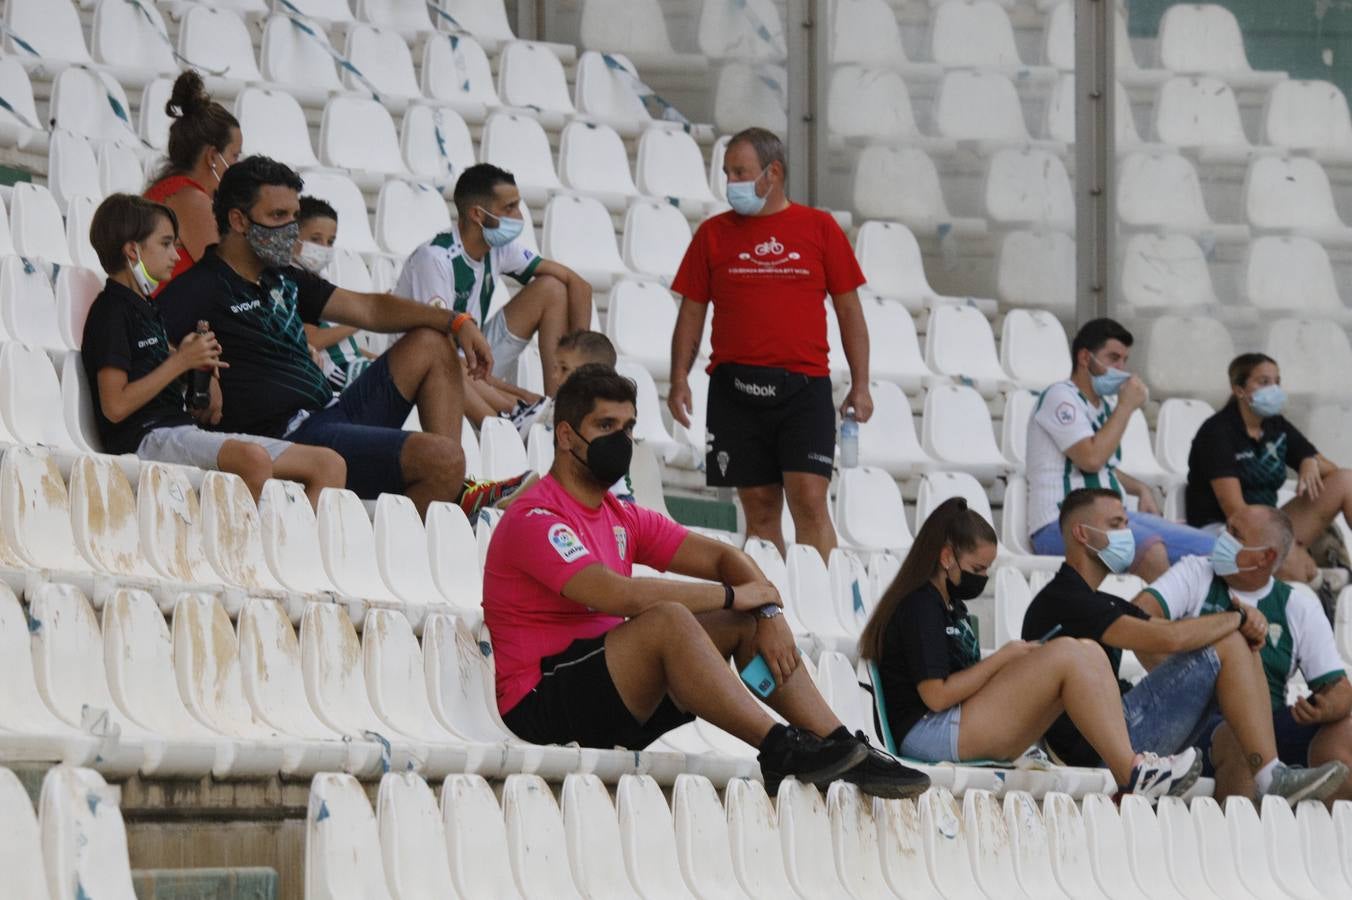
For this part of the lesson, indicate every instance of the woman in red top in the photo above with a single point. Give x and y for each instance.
(204, 140)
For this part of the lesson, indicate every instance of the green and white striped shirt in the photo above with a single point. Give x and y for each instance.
(1062, 418)
(441, 273)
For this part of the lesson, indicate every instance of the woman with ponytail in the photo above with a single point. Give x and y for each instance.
(944, 703)
(204, 141)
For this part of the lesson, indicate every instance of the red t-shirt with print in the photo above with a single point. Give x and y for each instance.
(768, 277)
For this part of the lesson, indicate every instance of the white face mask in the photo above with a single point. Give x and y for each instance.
(313, 258)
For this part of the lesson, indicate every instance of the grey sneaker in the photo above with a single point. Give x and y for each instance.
(1156, 776)
(1297, 783)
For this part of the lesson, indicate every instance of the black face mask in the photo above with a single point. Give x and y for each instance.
(969, 586)
(608, 457)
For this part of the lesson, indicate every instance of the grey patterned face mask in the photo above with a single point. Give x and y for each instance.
(273, 243)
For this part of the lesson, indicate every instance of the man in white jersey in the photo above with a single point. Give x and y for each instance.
(1075, 441)
(458, 268)
(1293, 635)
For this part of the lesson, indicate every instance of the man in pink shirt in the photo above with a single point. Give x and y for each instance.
(587, 653)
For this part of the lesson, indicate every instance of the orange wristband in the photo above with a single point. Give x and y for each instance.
(459, 322)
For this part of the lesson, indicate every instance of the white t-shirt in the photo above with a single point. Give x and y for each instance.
(1299, 635)
(1062, 418)
(442, 274)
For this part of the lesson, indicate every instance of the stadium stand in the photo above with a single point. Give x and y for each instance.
(157, 628)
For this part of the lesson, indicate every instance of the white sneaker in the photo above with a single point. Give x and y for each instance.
(526, 415)
(1158, 776)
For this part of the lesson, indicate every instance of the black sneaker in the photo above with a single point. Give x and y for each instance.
(787, 751)
(880, 774)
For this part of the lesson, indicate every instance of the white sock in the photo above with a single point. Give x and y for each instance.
(1262, 779)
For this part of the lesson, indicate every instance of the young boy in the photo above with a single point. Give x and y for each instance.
(138, 379)
(340, 356)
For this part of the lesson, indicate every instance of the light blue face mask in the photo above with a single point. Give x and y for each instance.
(1110, 382)
(742, 196)
(1267, 401)
(1121, 550)
(1225, 555)
(507, 230)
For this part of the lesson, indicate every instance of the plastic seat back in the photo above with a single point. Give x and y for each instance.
(536, 843)
(35, 224)
(232, 537)
(384, 61)
(1198, 110)
(805, 828)
(84, 841)
(592, 832)
(530, 75)
(103, 517)
(1316, 360)
(979, 106)
(1033, 348)
(454, 557)
(274, 125)
(476, 839)
(21, 851)
(330, 656)
(342, 842)
(357, 133)
(296, 51)
(217, 39)
(1037, 269)
(1160, 189)
(347, 544)
(647, 840)
(460, 680)
(670, 165)
(51, 27)
(1165, 272)
(1290, 273)
(518, 144)
(869, 510)
(270, 666)
(1201, 38)
(1308, 115)
(291, 543)
(1028, 847)
(412, 838)
(872, 103)
(132, 37)
(435, 143)
(592, 160)
(1187, 357)
(703, 844)
(747, 31)
(455, 70)
(401, 551)
(1289, 193)
(92, 103)
(1029, 186)
(339, 191)
(35, 511)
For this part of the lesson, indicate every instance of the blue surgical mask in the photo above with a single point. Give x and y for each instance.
(1110, 382)
(1120, 552)
(1268, 401)
(1225, 555)
(507, 230)
(742, 196)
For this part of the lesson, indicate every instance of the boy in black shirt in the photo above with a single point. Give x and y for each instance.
(137, 376)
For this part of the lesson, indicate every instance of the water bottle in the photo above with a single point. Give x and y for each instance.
(849, 440)
(199, 380)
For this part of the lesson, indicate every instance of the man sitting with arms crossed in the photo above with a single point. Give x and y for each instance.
(1293, 632)
(587, 653)
(256, 300)
(1195, 665)
(1075, 441)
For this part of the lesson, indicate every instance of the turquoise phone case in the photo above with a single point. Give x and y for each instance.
(757, 676)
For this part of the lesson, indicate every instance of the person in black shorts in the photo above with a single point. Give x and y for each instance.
(767, 267)
(257, 302)
(1240, 457)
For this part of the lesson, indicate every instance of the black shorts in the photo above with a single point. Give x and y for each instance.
(753, 440)
(576, 702)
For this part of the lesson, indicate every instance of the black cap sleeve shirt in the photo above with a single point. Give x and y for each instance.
(126, 331)
(924, 639)
(1082, 612)
(1223, 448)
(261, 329)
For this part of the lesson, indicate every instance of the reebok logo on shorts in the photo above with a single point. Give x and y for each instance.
(755, 390)
(565, 543)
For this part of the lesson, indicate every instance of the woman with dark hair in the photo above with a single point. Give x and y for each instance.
(1240, 457)
(944, 703)
(204, 141)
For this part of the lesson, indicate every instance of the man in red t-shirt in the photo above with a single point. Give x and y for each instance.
(767, 267)
(587, 653)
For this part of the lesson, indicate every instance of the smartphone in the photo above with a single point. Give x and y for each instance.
(1049, 635)
(757, 676)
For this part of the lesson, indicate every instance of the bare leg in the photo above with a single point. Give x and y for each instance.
(1233, 777)
(542, 306)
(1021, 702)
(314, 467)
(433, 467)
(516, 392)
(1242, 691)
(1309, 517)
(247, 460)
(477, 407)
(763, 506)
(1298, 566)
(1152, 562)
(807, 498)
(1334, 742)
(426, 370)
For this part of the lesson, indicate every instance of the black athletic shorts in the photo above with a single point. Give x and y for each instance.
(576, 702)
(764, 422)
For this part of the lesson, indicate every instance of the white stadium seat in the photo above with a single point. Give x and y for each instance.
(1159, 190)
(1029, 846)
(29, 395)
(297, 53)
(1309, 116)
(605, 90)
(892, 326)
(901, 849)
(231, 536)
(867, 32)
(347, 546)
(578, 233)
(1012, 599)
(650, 428)
(401, 555)
(1059, 45)
(170, 520)
(455, 558)
(84, 841)
(988, 838)
(1205, 38)
(1183, 855)
(1019, 406)
(22, 851)
(811, 596)
(152, 124)
(639, 322)
(27, 306)
(105, 535)
(346, 198)
(891, 260)
(1029, 187)
(536, 843)
(1232, 845)
(134, 41)
(518, 144)
(342, 842)
(592, 834)
(1068, 844)
(751, 94)
(647, 839)
(436, 144)
(1033, 348)
(92, 103)
(869, 510)
(1108, 847)
(412, 838)
(476, 839)
(358, 134)
(1317, 841)
(957, 432)
(289, 523)
(873, 104)
(485, 19)
(409, 214)
(19, 125)
(936, 487)
(902, 184)
(1201, 113)
(1059, 118)
(1175, 427)
(1316, 360)
(654, 240)
(273, 124)
(1291, 274)
(77, 405)
(72, 168)
(35, 224)
(49, 27)
(530, 76)
(854, 839)
(638, 28)
(78, 218)
(973, 33)
(670, 165)
(1293, 194)
(960, 345)
(217, 40)
(1287, 853)
(504, 455)
(945, 844)
(1166, 272)
(888, 440)
(980, 107)
(753, 835)
(121, 170)
(593, 161)
(1037, 269)
(1187, 356)
(751, 30)
(37, 529)
(382, 57)
(805, 830)
(455, 72)
(1145, 849)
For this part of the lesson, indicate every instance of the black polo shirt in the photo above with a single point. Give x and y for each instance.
(1082, 612)
(1223, 448)
(924, 639)
(260, 326)
(126, 331)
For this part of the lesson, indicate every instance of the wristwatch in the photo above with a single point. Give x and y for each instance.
(768, 611)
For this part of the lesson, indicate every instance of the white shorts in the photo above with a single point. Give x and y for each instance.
(506, 346)
(188, 445)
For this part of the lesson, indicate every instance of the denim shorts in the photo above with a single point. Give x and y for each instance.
(935, 737)
(365, 426)
(1174, 706)
(1179, 540)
